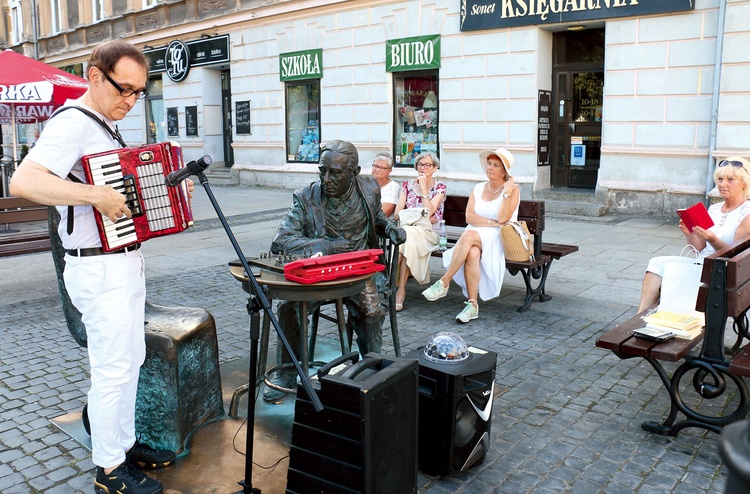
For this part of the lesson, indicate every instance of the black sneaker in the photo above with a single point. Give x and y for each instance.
(145, 456)
(125, 479)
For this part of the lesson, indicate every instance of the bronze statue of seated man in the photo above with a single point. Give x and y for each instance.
(341, 212)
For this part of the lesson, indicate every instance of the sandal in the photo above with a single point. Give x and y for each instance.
(400, 305)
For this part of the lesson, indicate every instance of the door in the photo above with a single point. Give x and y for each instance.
(226, 110)
(578, 90)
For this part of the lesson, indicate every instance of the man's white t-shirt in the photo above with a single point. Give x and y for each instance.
(66, 138)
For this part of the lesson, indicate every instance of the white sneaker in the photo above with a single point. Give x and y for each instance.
(470, 312)
(436, 291)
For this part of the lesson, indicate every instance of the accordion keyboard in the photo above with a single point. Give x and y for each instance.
(106, 170)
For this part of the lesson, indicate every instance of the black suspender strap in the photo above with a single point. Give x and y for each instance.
(71, 211)
(115, 135)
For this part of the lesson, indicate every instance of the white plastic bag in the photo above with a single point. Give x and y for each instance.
(679, 287)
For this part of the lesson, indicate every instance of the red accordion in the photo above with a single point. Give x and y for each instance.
(139, 173)
(334, 266)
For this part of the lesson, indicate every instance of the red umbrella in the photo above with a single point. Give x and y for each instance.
(31, 90)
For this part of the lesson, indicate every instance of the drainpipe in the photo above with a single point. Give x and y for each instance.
(715, 101)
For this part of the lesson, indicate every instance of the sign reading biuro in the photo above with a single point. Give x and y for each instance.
(476, 15)
(299, 65)
(418, 53)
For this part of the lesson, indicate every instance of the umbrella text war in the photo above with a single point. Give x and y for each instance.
(27, 114)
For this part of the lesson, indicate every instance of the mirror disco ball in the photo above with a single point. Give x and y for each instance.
(446, 347)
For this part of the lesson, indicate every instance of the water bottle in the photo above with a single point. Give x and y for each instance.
(443, 235)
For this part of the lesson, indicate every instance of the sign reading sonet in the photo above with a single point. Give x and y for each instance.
(489, 14)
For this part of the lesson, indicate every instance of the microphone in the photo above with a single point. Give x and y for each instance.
(192, 168)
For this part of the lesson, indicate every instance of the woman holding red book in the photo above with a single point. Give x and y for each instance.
(731, 219)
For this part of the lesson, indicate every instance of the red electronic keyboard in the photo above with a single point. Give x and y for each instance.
(139, 173)
(334, 266)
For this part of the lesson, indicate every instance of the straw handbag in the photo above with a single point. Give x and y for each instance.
(518, 245)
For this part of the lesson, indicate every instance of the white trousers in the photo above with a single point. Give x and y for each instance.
(110, 292)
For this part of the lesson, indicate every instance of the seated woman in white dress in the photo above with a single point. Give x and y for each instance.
(731, 219)
(477, 262)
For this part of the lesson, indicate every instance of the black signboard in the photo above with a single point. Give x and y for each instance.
(545, 114)
(242, 117)
(173, 125)
(191, 120)
(476, 15)
(204, 51)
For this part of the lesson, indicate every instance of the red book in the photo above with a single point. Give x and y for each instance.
(696, 215)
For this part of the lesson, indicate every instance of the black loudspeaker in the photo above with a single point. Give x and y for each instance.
(455, 411)
(365, 438)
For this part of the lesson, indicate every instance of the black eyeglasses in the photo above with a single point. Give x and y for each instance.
(126, 92)
(736, 164)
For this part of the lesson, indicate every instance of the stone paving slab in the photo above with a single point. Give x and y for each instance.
(569, 422)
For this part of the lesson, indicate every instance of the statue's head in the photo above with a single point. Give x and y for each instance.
(339, 167)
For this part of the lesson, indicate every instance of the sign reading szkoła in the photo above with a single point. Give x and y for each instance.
(417, 53)
(476, 15)
(299, 65)
(204, 51)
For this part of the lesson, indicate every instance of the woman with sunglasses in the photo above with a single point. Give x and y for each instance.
(731, 219)
(423, 192)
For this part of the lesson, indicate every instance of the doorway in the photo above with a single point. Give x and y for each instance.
(226, 111)
(577, 95)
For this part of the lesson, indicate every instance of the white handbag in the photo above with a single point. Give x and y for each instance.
(415, 217)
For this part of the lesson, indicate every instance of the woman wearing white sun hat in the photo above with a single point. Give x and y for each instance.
(477, 263)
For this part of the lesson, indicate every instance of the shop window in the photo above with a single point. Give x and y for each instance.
(155, 121)
(303, 121)
(416, 118)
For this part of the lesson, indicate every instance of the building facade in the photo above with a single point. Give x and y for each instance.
(635, 100)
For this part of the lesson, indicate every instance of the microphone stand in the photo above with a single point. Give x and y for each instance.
(256, 301)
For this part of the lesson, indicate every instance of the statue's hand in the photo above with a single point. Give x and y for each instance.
(397, 236)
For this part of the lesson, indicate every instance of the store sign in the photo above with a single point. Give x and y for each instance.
(299, 65)
(204, 51)
(418, 53)
(177, 61)
(476, 15)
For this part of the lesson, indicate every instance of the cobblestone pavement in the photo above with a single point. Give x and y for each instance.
(569, 421)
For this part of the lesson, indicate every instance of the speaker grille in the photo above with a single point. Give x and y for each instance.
(364, 440)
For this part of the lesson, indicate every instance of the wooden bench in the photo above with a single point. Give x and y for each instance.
(18, 210)
(725, 292)
(534, 271)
